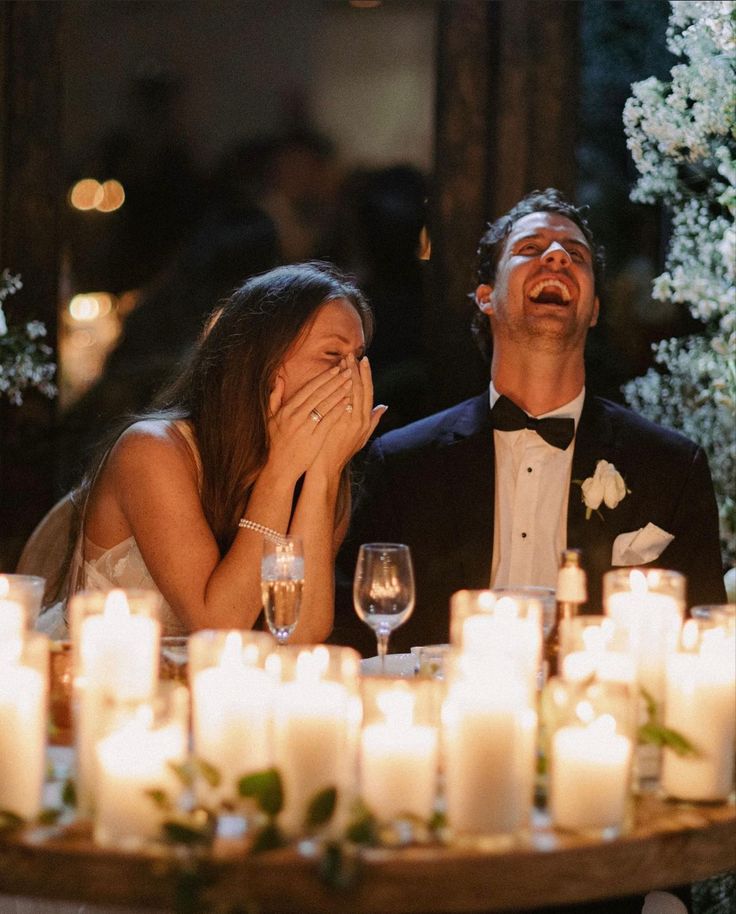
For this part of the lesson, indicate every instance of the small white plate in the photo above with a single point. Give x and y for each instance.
(396, 665)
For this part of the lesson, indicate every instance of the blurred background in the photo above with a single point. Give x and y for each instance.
(156, 154)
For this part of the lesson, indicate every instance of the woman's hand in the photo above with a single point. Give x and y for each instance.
(298, 427)
(355, 423)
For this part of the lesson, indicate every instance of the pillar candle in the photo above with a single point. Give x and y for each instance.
(118, 656)
(311, 736)
(398, 761)
(231, 705)
(701, 705)
(22, 739)
(485, 785)
(131, 761)
(589, 776)
(654, 619)
(12, 614)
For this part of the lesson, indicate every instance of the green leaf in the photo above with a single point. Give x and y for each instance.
(363, 826)
(184, 772)
(321, 808)
(208, 772)
(438, 821)
(266, 788)
(656, 734)
(9, 820)
(268, 838)
(48, 816)
(69, 793)
(160, 799)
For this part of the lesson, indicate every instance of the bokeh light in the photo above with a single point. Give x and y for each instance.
(86, 194)
(113, 197)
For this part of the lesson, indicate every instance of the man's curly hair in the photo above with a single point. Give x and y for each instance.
(493, 240)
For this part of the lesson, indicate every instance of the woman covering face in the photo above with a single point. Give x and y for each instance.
(278, 390)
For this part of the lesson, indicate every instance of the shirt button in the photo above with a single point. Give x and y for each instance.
(528, 469)
(523, 536)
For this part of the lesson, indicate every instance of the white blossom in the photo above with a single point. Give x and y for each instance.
(682, 138)
(24, 362)
(606, 485)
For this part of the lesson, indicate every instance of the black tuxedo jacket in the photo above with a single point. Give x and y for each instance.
(431, 485)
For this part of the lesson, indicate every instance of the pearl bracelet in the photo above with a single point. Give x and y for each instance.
(266, 532)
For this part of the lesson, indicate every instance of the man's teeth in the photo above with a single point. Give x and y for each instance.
(550, 284)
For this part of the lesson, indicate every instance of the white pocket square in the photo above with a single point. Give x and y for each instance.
(640, 546)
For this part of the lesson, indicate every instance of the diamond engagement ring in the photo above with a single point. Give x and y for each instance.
(316, 416)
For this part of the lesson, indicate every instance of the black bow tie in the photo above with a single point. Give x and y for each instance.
(506, 416)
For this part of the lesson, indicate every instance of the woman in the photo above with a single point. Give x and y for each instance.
(255, 437)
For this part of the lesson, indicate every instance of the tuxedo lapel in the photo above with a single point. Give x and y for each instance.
(594, 440)
(468, 460)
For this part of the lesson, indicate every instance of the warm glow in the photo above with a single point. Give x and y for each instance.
(116, 605)
(425, 244)
(638, 582)
(584, 711)
(397, 706)
(86, 194)
(690, 634)
(507, 608)
(88, 306)
(113, 197)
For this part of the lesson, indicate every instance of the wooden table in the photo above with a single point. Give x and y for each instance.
(668, 844)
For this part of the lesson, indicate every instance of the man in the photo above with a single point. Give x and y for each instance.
(488, 493)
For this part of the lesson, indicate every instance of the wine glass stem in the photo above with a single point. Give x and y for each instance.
(382, 638)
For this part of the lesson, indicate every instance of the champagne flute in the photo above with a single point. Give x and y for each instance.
(383, 589)
(282, 582)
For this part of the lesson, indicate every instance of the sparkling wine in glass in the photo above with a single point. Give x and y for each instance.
(282, 582)
(383, 589)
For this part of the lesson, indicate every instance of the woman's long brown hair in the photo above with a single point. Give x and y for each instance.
(225, 387)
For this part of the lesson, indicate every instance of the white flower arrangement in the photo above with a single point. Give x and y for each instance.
(605, 486)
(682, 137)
(24, 361)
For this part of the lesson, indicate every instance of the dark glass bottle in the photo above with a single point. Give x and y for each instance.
(572, 593)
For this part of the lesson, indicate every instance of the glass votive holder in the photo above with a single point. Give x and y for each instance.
(590, 748)
(504, 623)
(700, 706)
(650, 602)
(20, 602)
(116, 640)
(115, 653)
(24, 669)
(232, 707)
(597, 646)
(139, 744)
(544, 597)
(316, 727)
(488, 740)
(399, 753)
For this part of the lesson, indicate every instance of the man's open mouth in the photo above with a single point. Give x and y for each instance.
(550, 292)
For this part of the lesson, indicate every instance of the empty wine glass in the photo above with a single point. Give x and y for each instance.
(383, 589)
(282, 582)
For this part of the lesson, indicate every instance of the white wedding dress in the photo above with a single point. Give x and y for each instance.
(94, 568)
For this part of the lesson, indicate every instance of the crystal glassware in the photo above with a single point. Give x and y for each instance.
(282, 583)
(383, 589)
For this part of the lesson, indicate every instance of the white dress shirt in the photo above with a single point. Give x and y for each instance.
(531, 495)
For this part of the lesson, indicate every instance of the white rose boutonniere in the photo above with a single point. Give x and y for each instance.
(605, 486)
